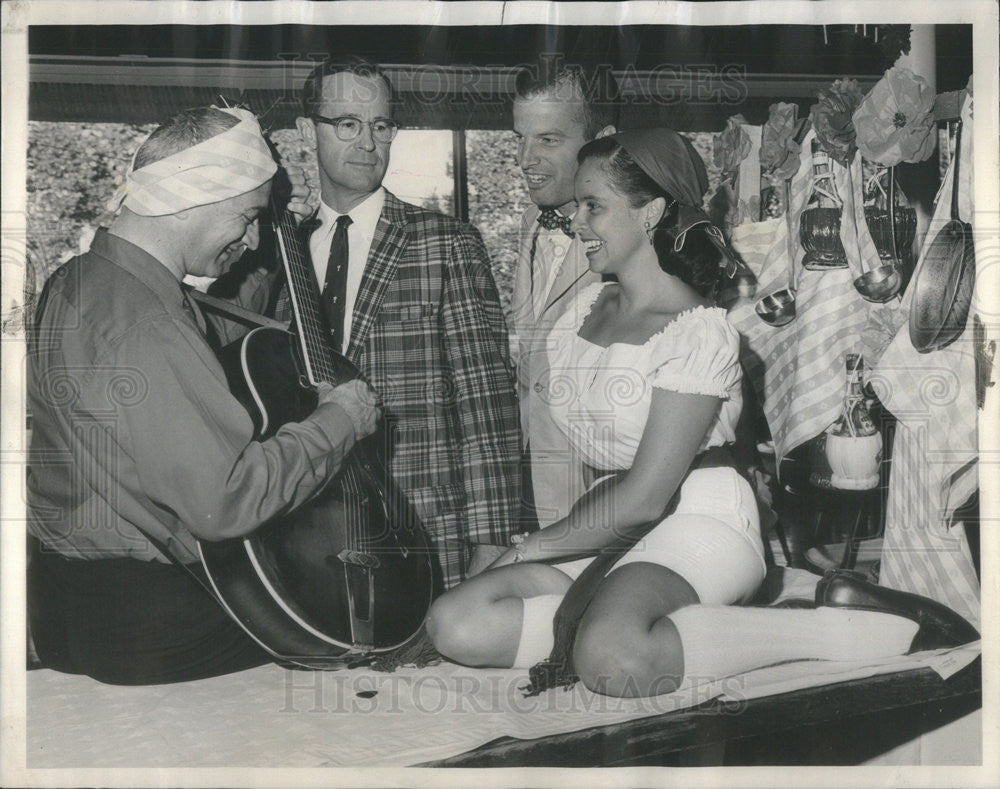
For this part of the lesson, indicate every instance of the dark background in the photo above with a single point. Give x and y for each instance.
(762, 48)
(758, 65)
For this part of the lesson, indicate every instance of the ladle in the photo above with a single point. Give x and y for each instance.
(883, 282)
(778, 308)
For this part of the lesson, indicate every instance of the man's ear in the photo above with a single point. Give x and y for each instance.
(653, 211)
(607, 131)
(307, 131)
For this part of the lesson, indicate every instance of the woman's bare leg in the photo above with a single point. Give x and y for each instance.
(625, 645)
(644, 633)
(478, 623)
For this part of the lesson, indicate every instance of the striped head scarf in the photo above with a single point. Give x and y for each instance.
(223, 166)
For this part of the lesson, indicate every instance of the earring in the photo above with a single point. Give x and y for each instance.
(649, 231)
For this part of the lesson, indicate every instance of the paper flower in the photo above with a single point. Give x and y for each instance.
(895, 121)
(779, 153)
(833, 119)
(732, 145)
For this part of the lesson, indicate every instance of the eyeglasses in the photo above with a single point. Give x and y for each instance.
(348, 128)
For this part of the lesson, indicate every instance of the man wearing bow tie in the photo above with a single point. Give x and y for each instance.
(411, 300)
(557, 108)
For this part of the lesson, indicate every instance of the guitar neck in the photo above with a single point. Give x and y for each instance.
(305, 297)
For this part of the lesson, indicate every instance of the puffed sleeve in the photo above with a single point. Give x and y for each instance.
(698, 353)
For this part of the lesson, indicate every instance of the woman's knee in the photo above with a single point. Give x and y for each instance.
(475, 629)
(449, 626)
(627, 661)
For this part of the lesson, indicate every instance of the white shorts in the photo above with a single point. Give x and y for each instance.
(711, 540)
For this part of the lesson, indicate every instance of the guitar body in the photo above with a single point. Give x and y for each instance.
(348, 574)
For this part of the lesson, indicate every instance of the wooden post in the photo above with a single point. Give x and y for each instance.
(460, 174)
(921, 181)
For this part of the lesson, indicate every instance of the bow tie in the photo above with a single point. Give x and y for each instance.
(551, 219)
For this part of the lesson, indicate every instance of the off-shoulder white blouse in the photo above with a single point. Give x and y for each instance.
(600, 397)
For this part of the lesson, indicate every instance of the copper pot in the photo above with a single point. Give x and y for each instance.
(819, 234)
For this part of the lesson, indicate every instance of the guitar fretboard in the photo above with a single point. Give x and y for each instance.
(305, 297)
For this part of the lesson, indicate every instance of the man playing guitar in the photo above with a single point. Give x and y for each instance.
(138, 447)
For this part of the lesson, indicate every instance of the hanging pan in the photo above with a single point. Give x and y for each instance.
(942, 288)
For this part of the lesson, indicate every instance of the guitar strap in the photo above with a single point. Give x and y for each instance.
(190, 569)
(230, 310)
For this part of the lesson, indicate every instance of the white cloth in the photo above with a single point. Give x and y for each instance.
(600, 397)
(360, 234)
(543, 287)
(223, 166)
(798, 369)
(935, 449)
(278, 718)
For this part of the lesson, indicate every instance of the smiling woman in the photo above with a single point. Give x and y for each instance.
(612, 230)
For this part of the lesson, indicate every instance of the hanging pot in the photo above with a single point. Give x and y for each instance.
(880, 226)
(942, 288)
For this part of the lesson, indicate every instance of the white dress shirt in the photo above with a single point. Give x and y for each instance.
(550, 252)
(360, 234)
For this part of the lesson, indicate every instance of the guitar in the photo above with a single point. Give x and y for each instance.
(349, 574)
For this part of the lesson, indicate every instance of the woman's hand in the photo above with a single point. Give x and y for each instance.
(505, 558)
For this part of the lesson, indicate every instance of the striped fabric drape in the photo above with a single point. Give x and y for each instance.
(798, 369)
(935, 452)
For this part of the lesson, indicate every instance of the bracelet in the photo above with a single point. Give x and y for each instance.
(517, 543)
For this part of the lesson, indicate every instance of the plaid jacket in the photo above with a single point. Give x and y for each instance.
(429, 334)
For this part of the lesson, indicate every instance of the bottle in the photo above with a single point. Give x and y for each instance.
(847, 455)
(819, 225)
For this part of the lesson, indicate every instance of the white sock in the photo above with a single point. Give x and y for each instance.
(720, 641)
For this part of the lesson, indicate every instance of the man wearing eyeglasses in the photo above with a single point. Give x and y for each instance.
(410, 299)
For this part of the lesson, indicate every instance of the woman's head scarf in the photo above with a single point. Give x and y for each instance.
(673, 163)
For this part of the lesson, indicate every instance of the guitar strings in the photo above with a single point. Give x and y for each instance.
(315, 348)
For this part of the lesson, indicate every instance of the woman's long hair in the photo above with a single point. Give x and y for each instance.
(699, 262)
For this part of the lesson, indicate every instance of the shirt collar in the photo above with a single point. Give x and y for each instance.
(140, 264)
(364, 216)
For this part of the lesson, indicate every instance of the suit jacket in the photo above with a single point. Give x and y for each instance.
(556, 474)
(429, 334)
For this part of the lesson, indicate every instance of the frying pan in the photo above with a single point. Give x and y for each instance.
(942, 288)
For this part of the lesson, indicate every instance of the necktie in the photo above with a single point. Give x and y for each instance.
(335, 286)
(550, 219)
